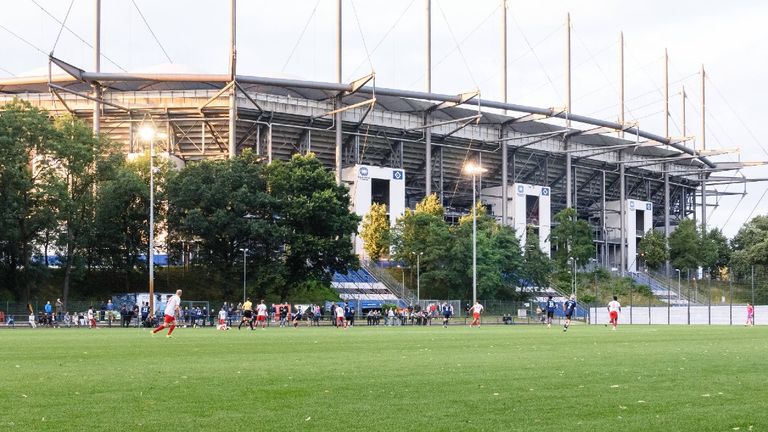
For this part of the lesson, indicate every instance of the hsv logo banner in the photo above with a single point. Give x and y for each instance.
(397, 174)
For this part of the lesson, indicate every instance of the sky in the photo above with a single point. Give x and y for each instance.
(297, 39)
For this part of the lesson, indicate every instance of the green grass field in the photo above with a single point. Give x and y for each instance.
(404, 378)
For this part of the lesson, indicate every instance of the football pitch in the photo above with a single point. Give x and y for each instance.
(494, 378)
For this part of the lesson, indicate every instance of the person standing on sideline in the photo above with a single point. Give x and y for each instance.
(340, 323)
(476, 310)
(171, 310)
(261, 314)
(59, 310)
(569, 307)
(223, 320)
(247, 314)
(614, 307)
(750, 315)
(91, 317)
(550, 311)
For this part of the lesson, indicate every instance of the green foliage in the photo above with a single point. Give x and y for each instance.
(750, 245)
(430, 205)
(572, 239)
(375, 232)
(653, 248)
(684, 246)
(537, 267)
(298, 226)
(29, 191)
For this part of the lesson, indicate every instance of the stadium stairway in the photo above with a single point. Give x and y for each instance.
(660, 290)
(362, 285)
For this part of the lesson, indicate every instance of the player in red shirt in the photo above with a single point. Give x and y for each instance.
(750, 315)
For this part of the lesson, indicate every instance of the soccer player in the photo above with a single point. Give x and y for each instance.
(447, 312)
(247, 314)
(340, 323)
(223, 320)
(750, 315)
(261, 314)
(171, 310)
(298, 316)
(569, 307)
(550, 311)
(614, 307)
(91, 318)
(476, 310)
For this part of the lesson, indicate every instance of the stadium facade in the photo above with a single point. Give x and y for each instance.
(624, 180)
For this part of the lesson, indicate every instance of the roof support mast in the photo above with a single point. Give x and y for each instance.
(97, 66)
(568, 181)
(666, 166)
(703, 147)
(337, 119)
(428, 131)
(622, 181)
(504, 145)
(232, 75)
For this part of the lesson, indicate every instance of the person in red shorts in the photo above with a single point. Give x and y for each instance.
(171, 311)
(340, 323)
(261, 315)
(750, 315)
(476, 310)
(614, 307)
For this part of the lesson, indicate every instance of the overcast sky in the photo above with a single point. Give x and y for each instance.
(293, 38)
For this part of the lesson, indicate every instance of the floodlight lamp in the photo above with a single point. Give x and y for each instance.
(147, 133)
(472, 169)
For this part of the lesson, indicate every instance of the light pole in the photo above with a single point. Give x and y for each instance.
(245, 271)
(474, 170)
(418, 275)
(678, 284)
(147, 133)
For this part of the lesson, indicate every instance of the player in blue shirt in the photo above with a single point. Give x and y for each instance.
(569, 307)
(550, 306)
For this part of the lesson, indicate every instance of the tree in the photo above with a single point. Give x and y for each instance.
(430, 205)
(572, 238)
(375, 232)
(120, 226)
(208, 202)
(28, 191)
(537, 267)
(653, 247)
(684, 246)
(317, 225)
(82, 161)
(714, 250)
(750, 245)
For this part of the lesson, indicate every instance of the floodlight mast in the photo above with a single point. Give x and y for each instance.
(473, 170)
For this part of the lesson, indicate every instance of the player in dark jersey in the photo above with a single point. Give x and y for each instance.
(569, 307)
(550, 311)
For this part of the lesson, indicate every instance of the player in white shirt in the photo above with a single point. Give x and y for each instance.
(91, 318)
(476, 310)
(222, 320)
(171, 310)
(261, 315)
(340, 323)
(614, 307)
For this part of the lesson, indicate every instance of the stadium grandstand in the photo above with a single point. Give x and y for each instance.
(396, 146)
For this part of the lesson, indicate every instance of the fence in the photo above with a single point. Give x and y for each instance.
(694, 315)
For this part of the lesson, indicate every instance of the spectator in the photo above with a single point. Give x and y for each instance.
(48, 308)
(59, 310)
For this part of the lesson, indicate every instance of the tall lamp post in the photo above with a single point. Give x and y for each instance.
(245, 269)
(418, 275)
(147, 133)
(474, 170)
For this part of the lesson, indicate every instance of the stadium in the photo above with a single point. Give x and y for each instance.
(395, 146)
